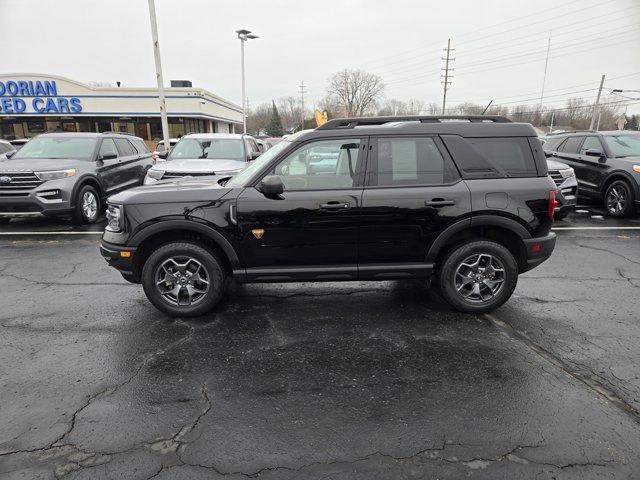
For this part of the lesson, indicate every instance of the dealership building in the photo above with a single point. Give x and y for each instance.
(32, 103)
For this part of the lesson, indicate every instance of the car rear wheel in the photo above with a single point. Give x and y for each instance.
(478, 276)
(87, 206)
(183, 279)
(618, 199)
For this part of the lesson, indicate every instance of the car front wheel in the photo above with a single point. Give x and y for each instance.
(183, 279)
(618, 199)
(87, 206)
(478, 276)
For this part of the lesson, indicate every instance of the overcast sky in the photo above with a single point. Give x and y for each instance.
(500, 45)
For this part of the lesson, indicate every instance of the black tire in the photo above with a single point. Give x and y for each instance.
(161, 296)
(82, 215)
(448, 276)
(618, 199)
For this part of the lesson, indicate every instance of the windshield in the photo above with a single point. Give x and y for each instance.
(241, 178)
(624, 145)
(57, 148)
(214, 148)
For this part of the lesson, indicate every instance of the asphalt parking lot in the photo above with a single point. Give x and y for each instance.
(338, 380)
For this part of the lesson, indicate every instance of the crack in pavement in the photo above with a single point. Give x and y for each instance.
(631, 280)
(75, 284)
(59, 441)
(592, 381)
(608, 251)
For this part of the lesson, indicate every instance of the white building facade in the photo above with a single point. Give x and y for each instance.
(33, 103)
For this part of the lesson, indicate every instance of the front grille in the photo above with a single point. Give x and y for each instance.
(556, 177)
(185, 174)
(20, 185)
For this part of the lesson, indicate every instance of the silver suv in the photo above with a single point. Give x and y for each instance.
(70, 174)
(204, 154)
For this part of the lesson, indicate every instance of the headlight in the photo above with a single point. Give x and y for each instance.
(114, 218)
(55, 174)
(155, 174)
(567, 172)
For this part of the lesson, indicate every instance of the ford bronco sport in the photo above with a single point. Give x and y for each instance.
(463, 201)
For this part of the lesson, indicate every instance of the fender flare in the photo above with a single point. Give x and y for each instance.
(476, 221)
(176, 224)
(83, 181)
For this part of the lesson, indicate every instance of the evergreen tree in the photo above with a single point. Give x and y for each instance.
(274, 127)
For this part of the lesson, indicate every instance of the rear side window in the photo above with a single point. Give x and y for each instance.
(571, 145)
(139, 145)
(124, 147)
(590, 143)
(511, 156)
(412, 161)
(552, 143)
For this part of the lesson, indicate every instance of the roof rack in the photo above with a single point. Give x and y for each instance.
(363, 121)
(118, 133)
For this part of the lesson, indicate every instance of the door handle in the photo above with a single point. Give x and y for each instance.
(439, 202)
(334, 206)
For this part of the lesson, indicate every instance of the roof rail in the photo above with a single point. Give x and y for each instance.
(119, 133)
(363, 121)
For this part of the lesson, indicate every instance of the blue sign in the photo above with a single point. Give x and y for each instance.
(41, 96)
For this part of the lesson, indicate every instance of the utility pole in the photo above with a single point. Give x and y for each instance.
(544, 75)
(595, 107)
(302, 92)
(156, 51)
(446, 69)
(243, 36)
(553, 113)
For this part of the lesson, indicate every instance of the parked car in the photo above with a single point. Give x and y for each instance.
(6, 147)
(204, 154)
(567, 188)
(70, 174)
(606, 164)
(467, 204)
(18, 143)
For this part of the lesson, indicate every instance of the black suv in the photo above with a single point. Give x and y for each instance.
(607, 166)
(465, 201)
(70, 174)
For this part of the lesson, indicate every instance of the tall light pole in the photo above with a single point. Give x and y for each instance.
(243, 35)
(156, 52)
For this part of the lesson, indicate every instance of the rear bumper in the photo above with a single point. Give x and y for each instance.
(539, 249)
(112, 253)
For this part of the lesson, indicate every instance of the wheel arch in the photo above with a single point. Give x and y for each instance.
(168, 231)
(87, 180)
(502, 230)
(620, 175)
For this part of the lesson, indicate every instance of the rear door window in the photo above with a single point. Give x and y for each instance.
(551, 144)
(511, 155)
(412, 161)
(108, 148)
(571, 145)
(140, 146)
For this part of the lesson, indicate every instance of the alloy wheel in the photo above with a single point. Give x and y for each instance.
(182, 281)
(479, 278)
(616, 199)
(89, 205)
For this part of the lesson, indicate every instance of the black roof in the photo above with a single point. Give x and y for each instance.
(466, 126)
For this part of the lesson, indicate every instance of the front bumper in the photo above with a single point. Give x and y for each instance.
(121, 258)
(539, 249)
(38, 201)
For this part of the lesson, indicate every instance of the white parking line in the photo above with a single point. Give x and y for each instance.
(50, 233)
(596, 228)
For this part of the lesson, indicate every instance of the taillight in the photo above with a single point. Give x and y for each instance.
(551, 204)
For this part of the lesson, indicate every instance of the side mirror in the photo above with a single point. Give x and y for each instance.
(271, 186)
(164, 154)
(593, 152)
(253, 155)
(108, 156)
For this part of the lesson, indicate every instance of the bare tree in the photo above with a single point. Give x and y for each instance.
(355, 92)
(258, 118)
